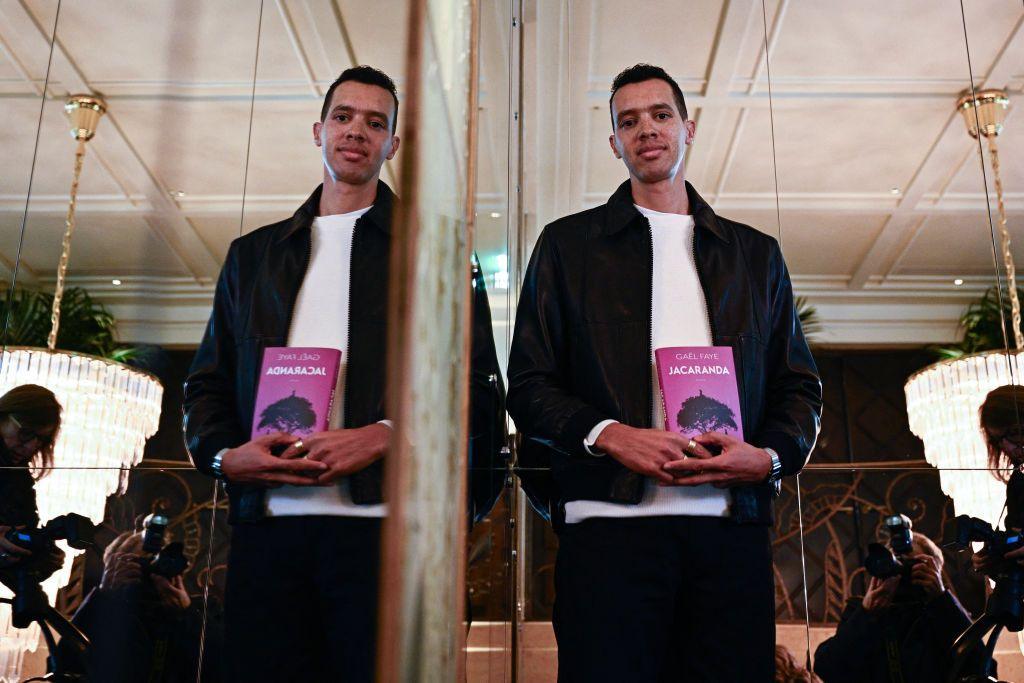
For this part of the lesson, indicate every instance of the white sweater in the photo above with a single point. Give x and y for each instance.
(320, 319)
(679, 318)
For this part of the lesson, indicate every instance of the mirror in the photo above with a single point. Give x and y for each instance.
(833, 130)
(575, 51)
(878, 144)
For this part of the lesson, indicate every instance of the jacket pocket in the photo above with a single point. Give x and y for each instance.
(750, 357)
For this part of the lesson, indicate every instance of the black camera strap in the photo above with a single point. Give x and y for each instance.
(156, 669)
(892, 655)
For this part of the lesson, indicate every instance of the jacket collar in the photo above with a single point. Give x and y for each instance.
(379, 214)
(621, 212)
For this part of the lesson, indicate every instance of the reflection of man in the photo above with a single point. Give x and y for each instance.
(664, 567)
(301, 594)
(885, 637)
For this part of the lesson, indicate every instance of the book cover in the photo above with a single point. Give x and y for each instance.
(699, 390)
(296, 390)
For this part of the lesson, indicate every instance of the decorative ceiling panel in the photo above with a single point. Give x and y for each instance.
(676, 35)
(957, 245)
(862, 97)
(103, 245)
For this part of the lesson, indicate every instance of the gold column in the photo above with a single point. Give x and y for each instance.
(422, 630)
(984, 113)
(84, 112)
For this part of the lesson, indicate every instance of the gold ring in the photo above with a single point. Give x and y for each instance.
(691, 446)
(298, 445)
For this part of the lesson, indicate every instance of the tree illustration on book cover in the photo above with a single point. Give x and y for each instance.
(291, 415)
(702, 414)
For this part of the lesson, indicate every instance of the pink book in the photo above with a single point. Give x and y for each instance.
(699, 390)
(296, 390)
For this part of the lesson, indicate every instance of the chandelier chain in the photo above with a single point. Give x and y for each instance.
(65, 250)
(1011, 271)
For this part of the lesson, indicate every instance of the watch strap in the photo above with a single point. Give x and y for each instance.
(216, 465)
(775, 474)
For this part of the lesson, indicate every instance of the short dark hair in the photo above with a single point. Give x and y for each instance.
(639, 73)
(369, 76)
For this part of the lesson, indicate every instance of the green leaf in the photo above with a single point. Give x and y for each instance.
(86, 326)
(809, 320)
(987, 325)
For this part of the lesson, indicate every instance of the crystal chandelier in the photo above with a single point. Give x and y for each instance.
(943, 399)
(110, 410)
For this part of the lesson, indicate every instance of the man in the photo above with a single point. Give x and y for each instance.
(901, 630)
(664, 569)
(301, 595)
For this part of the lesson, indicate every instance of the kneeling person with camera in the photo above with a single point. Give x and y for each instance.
(141, 621)
(903, 628)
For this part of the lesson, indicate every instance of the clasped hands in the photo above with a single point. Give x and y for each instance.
(124, 569)
(664, 456)
(925, 572)
(317, 460)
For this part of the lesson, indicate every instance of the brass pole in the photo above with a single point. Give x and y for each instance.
(421, 630)
(65, 250)
(1011, 271)
(469, 213)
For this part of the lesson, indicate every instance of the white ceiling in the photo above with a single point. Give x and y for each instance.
(861, 101)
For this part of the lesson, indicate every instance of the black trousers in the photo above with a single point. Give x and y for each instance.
(301, 600)
(659, 599)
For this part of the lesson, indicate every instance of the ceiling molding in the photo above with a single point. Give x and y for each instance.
(902, 226)
(117, 153)
(300, 51)
(581, 59)
(713, 159)
(765, 54)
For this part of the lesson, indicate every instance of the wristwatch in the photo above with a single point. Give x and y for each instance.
(216, 464)
(775, 474)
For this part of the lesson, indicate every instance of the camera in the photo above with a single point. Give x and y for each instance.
(1006, 603)
(1004, 609)
(77, 530)
(163, 560)
(997, 543)
(884, 562)
(29, 602)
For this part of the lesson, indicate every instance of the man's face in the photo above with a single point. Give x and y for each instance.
(649, 134)
(355, 139)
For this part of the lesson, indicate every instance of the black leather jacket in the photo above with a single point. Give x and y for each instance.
(252, 310)
(911, 643)
(581, 350)
(17, 496)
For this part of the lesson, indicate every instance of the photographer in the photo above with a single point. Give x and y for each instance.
(1001, 417)
(901, 630)
(142, 626)
(29, 424)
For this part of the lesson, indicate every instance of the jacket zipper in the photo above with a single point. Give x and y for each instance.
(348, 324)
(650, 330)
(295, 293)
(703, 289)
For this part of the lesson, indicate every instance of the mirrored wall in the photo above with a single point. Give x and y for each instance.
(841, 131)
